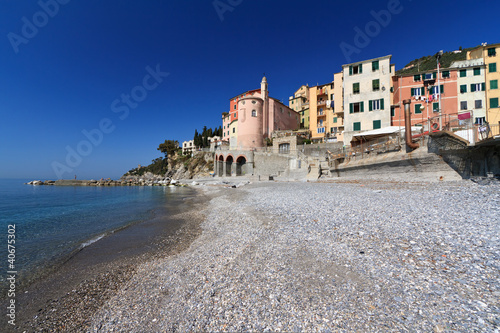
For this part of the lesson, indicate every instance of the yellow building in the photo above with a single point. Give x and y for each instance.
(326, 111)
(491, 57)
(300, 102)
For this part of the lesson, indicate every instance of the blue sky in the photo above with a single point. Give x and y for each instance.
(66, 70)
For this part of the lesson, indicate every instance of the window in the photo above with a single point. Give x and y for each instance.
(418, 91)
(492, 68)
(284, 148)
(435, 107)
(494, 102)
(355, 88)
(418, 109)
(292, 102)
(335, 119)
(429, 76)
(446, 74)
(492, 52)
(375, 105)
(377, 124)
(227, 132)
(477, 71)
(254, 113)
(376, 85)
(356, 107)
(478, 104)
(356, 126)
(357, 69)
(494, 84)
(463, 88)
(392, 89)
(477, 87)
(434, 90)
(234, 129)
(463, 105)
(463, 73)
(331, 97)
(393, 111)
(375, 65)
(416, 77)
(281, 109)
(289, 114)
(235, 107)
(321, 130)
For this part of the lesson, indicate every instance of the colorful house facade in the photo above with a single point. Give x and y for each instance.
(422, 90)
(367, 95)
(491, 57)
(254, 116)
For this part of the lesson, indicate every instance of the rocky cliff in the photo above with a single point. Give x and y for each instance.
(177, 166)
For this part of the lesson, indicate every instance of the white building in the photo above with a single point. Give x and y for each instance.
(188, 147)
(471, 85)
(367, 96)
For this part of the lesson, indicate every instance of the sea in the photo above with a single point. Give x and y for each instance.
(52, 223)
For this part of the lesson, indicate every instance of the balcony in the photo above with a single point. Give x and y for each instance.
(321, 114)
(321, 103)
(321, 91)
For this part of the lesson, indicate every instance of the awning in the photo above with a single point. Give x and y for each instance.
(383, 132)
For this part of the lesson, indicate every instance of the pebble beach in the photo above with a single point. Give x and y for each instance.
(328, 257)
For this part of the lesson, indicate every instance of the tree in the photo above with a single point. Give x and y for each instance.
(169, 147)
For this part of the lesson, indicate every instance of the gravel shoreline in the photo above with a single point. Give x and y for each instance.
(71, 309)
(352, 256)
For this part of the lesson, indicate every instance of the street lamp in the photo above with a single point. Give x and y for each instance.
(438, 56)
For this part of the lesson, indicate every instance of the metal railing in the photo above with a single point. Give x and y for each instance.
(464, 128)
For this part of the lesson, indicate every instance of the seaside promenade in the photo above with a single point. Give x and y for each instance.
(338, 256)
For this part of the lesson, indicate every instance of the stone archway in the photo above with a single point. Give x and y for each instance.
(229, 165)
(240, 166)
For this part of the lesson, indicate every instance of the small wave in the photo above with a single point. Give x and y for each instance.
(92, 241)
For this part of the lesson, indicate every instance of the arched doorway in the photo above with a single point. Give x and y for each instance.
(229, 165)
(240, 166)
(220, 166)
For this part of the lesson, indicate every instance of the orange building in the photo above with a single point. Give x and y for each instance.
(422, 89)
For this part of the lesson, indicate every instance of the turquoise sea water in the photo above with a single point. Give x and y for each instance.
(52, 222)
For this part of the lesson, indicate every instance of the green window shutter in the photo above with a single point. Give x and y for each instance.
(477, 71)
(435, 106)
(360, 68)
(376, 124)
(417, 109)
(422, 90)
(492, 68)
(441, 89)
(381, 104)
(335, 119)
(362, 106)
(370, 106)
(463, 73)
(393, 112)
(412, 92)
(351, 108)
(357, 126)
(493, 102)
(423, 77)
(472, 87)
(434, 75)
(446, 74)
(483, 86)
(463, 88)
(416, 77)
(494, 84)
(350, 70)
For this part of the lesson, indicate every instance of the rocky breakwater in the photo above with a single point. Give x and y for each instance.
(125, 181)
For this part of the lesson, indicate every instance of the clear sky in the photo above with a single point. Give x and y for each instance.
(91, 88)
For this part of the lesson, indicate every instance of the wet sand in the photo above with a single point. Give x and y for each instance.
(66, 299)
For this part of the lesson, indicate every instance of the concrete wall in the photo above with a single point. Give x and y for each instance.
(267, 164)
